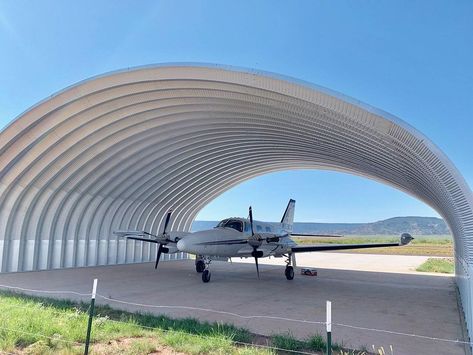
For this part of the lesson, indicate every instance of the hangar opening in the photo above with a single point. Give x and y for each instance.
(323, 196)
(117, 151)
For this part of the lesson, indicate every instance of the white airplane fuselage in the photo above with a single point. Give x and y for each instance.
(229, 239)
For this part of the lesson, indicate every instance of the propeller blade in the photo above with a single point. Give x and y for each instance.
(257, 267)
(256, 254)
(251, 220)
(158, 256)
(168, 217)
(255, 248)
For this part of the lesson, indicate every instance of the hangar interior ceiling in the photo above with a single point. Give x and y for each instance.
(117, 151)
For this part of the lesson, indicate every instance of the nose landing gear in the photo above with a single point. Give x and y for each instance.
(203, 266)
(199, 265)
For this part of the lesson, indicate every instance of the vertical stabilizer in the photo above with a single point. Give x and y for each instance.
(287, 219)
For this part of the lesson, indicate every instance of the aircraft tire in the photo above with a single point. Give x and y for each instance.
(206, 276)
(199, 266)
(289, 272)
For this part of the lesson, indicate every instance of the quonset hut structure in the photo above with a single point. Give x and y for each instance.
(117, 151)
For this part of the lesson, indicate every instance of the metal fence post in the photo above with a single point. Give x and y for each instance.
(329, 328)
(91, 316)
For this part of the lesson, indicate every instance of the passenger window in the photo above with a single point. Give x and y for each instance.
(247, 227)
(259, 228)
(268, 229)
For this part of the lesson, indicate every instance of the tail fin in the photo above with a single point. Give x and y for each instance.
(287, 219)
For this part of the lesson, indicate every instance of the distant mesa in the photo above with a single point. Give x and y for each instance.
(392, 226)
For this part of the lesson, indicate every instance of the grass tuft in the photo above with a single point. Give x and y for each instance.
(288, 342)
(440, 265)
(317, 343)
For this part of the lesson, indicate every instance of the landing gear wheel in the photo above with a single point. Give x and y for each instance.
(289, 272)
(199, 266)
(206, 276)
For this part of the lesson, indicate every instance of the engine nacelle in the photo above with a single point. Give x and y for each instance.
(257, 254)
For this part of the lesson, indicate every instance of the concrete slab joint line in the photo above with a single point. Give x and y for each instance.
(118, 150)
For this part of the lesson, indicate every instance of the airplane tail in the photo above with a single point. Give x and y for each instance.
(287, 219)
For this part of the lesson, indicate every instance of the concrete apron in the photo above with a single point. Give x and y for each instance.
(408, 303)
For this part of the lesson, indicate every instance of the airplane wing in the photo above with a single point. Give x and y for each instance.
(141, 236)
(127, 233)
(405, 239)
(316, 235)
(143, 239)
(135, 235)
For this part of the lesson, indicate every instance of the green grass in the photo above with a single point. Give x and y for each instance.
(440, 265)
(287, 341)
(313, 343)
(64, 323)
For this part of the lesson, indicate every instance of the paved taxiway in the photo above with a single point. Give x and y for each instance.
(408, 303)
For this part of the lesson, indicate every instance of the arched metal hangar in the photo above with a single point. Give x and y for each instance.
(118, 150)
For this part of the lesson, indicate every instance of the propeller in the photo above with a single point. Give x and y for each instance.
(158, 256)
(256, 262)
(165, 239)
(255, 241)
(161, 239)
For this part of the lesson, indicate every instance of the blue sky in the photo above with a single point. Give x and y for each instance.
(412, 59)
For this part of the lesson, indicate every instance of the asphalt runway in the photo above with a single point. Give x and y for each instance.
(408, 303)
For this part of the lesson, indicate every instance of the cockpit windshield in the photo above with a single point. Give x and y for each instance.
(231, 223)
(222, 223)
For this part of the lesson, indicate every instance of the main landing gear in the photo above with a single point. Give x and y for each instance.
(206, 276)
(202, 266)
(289, 272)
(199, 266)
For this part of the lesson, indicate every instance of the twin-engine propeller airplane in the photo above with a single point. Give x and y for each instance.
(243, 237)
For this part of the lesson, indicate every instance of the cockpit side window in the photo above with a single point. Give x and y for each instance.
(234, 224)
